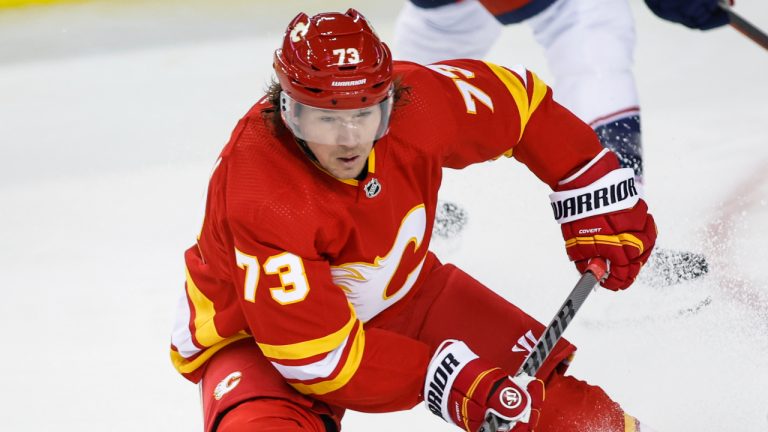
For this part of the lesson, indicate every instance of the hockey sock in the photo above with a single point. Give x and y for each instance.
(623, 137)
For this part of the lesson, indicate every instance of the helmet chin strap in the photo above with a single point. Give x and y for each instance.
(305, 148)
(363, 172)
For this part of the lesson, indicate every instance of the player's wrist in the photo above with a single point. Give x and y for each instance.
(604, 162)
(597, 188)
(464, 389)
(451, 357)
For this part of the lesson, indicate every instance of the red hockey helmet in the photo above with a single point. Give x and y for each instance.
(334, 61)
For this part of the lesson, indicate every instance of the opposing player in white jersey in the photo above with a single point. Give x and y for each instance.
(589, 46)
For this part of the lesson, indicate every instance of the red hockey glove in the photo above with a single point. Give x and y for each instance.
(470, 393)
(602, 215)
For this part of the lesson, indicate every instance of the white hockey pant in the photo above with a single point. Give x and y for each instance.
(589, 46)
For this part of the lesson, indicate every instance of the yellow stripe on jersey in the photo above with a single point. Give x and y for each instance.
(372, 162)
(17, 3)
(630, 424)
(185, 366)
(205, 328)
(347, 371)
(539, 91)
(519, 93)
(313, 347)
(622, 239)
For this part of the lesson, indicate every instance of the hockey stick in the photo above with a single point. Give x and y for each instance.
(596, 271)
(743, 26)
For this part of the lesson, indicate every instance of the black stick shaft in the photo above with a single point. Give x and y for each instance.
(555, 329)
(745, 27)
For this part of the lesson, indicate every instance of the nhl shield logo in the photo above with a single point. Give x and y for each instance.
(372, 188)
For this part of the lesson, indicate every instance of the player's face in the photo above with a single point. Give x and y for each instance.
(341, 139)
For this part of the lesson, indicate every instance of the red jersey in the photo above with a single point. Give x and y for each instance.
(514, 11)
(300, 260)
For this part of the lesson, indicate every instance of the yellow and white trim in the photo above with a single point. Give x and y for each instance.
(518, 90)
(623, 239)
(351, 365)
(311, 348)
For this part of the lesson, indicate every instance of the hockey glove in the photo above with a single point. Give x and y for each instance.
(696, 14)
(470, 393)
(602, 214)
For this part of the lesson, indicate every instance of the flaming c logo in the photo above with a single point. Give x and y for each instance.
(373, 287)
(227, 384)
(299, 31)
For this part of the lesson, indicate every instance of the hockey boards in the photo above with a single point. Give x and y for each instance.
(665, 267)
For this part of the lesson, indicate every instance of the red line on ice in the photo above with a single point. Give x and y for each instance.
(718, 247)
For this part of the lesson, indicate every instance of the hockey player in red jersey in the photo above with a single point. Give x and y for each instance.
(311, 288)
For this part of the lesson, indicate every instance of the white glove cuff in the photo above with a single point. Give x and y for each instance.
(614, 191)
(443, 369)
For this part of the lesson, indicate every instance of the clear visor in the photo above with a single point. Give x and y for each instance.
(336, 126)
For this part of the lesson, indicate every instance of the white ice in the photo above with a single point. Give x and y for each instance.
(111, 115)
